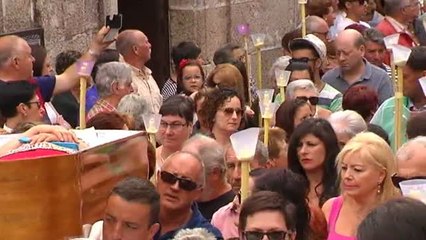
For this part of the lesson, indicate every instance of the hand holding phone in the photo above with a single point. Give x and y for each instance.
(114, 22)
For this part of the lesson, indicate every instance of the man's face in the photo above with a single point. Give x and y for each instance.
(173, 196)
(322, 32)
(239, 54)
(415, 163)
(411, 10)
(125, 220)
(375, 53)
(308, 55)
(233, 169)
(348, 55)
(412, 88)
(143, 47)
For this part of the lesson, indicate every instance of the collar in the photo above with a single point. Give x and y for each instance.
(413, 108)
(399, 27)
(368, 71)
(144, 72)
(7, 129)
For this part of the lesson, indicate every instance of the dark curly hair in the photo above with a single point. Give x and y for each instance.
(321, 129)
(292, 187)
(66, 59)
(216, 99)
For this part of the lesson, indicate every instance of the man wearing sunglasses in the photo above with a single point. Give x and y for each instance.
(411, 161)
(267, 214)
(313, 51)
(180, 183)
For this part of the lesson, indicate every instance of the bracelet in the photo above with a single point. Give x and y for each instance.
(93, 53)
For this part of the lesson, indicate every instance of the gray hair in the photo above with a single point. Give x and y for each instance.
(109, 73)
(405, 151)
(134, 105)
(202, 175)
(394, 6)
(313, 23)
(302, 84)
(210, 152)
(374, 35)
(194, 234)
(347, 122)
(261, 155)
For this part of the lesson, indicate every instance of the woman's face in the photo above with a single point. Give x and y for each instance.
(47, 67)
(331, 63)
(307, 93)
(301, 114)
(228, 116)
(359, 177)
(311, 153)
(192, 79)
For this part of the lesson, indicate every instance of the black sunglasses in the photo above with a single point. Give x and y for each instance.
(312, 100)
(184, 184)
(255, 235)
(396, 180)
(303, 59)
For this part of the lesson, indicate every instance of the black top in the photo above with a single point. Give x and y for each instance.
(210, 207)
(66, 105)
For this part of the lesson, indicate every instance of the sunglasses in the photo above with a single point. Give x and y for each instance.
(312, 100)
(255, 235)
(230, 111)
(396, 180)
(303, 59)
(184, 184)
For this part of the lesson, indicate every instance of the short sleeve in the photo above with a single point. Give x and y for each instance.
(46, 85)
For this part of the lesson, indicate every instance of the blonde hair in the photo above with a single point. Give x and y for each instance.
(377, 152)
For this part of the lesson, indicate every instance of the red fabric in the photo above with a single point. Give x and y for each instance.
(38, 93)
(387, 29)
(28, 155)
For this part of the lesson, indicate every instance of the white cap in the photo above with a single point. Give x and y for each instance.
(309, 41)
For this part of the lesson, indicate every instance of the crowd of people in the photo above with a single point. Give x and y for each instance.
(330, 169)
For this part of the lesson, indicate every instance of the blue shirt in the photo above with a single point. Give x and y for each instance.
(46, 85)
(197, 221)
(374, 77)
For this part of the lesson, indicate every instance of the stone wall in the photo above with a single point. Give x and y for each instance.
(212, 23)
(67, 24)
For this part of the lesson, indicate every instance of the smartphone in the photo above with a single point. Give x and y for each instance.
(114, 22)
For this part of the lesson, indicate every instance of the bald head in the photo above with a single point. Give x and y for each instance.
(410, 158)
(186, 162)
(317, 26)
(125, 40)
(351, 36)
(8, 47)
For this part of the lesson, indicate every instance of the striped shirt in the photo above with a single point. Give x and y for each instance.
(169, 89)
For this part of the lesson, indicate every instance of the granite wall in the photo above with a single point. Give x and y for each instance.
(67, 24)
(212, 23)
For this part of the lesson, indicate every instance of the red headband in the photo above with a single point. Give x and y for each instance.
(183, 63)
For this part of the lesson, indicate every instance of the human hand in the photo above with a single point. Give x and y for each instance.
(98, 43)
(62, 134)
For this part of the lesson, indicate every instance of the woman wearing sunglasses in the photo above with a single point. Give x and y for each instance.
(312, 153)
(365, 166)
(223, 112)
(305, 90)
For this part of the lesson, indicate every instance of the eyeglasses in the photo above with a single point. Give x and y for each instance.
(396, 180)
(303, 59)
(230, 111)
(184, 184)
(34, 102)
(173, 126)
(312, 100)
(255, 235)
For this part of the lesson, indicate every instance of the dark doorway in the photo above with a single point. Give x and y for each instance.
(152, 18)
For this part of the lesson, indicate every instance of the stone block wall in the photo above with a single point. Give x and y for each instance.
(212, 23)
(67, 24)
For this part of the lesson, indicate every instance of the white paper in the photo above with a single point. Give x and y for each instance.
(51, 113)
(95, 138)
(415, 188)
(422, 82)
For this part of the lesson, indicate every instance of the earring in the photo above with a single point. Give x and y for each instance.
(379, 188)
